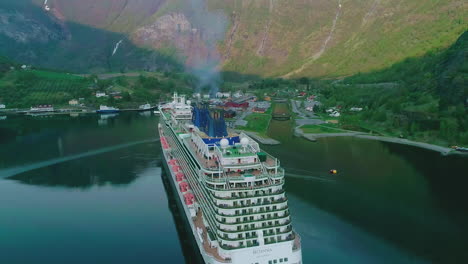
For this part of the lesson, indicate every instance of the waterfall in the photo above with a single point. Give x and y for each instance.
(116, 47)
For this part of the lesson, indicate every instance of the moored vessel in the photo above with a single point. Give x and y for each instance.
(103, 109)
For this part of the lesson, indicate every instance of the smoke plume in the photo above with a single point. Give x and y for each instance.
(209, 28)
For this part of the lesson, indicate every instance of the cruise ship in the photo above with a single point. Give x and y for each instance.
(230, 191)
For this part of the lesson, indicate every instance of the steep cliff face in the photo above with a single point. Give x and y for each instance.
(122, 16)
(288, 38)
(335, 38)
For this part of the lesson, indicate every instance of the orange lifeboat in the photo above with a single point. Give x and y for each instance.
(179, 176)
(189, 198)
(183, 186)
(175, 168)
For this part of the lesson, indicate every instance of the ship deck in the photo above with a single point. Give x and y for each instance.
(212, 251)
(207, 163)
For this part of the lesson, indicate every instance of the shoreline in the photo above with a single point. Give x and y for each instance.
(428, 146)
(261, 139)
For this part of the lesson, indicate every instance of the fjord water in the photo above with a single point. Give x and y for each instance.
(90, 189)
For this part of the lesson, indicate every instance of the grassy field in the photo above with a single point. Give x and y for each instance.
(258, 123)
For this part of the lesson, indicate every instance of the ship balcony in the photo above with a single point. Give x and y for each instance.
(245, 187)
(255, 212)
(239, 245)
(240, 196)
(271, 232)
(238, 237)
(237, 225)
(251, 205)
(273, 240)
(252, 175)
(251, 201)
(271, 162)
(253, 227)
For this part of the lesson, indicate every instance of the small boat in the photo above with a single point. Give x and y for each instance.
(103, 109)
(333, 172)
(156, 112)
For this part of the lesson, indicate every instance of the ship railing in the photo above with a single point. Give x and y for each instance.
(245, 188)
(264, 211)
(229, 247)
(274, 233)
(262, 219)
(278, 174)
(267, 226)
(271, 162)
(263, 203)
(252, 142)
(236, 197)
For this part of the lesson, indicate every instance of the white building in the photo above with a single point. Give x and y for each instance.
(2, 106)
(73, 102)
(223, 95)
(356, 109)
(238, 94)
(100, 94)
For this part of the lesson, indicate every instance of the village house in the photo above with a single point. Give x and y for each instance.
(223, 94)
(73, 102)
(2, 106)
(238, 94)
(100, 94)
(356, 109)
(259, 110)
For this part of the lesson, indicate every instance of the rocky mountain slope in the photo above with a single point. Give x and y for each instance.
(290, 38)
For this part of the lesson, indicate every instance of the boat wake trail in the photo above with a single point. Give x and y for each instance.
(308, 175)
(9, 172)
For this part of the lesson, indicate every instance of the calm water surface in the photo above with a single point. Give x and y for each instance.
(90, 189)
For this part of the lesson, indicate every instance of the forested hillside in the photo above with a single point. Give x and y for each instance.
(424, 98)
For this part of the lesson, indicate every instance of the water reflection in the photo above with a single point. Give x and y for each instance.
(104, 118)
(186, 239)
(118, 167)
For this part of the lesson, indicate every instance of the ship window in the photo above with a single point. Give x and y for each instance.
(281, 260)
(285, 259)
(275, 261)
(270, 262)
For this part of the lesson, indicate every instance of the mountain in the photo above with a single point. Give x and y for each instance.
(32, 35)
(316, 38)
